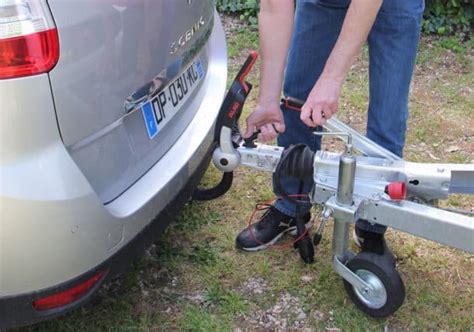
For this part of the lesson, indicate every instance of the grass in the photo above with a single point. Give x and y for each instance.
(198, 319)
(194, 279)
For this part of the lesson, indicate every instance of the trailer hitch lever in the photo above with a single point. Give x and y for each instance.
(226, 133)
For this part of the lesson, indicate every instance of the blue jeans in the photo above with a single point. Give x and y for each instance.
(392, 42)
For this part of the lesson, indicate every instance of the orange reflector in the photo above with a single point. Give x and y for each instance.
(68, 296)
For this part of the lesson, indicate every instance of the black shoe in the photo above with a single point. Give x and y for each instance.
(267, 230)
(373, 242)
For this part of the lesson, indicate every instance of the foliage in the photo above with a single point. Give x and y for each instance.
(448, 17)
(246, 9)
(441, 17)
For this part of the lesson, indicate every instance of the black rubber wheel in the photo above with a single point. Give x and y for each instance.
(389, 291)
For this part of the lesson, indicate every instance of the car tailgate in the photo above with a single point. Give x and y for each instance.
(116, 55)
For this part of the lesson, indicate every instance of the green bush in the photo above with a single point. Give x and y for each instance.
(442, 17)
(445, 17)
(246, 9)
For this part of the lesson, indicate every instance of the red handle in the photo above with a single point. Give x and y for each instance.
(245, 70)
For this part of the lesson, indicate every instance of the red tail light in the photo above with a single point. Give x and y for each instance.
(29, 43)
(68, 296)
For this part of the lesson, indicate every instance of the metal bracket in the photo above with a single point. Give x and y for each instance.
(350, 276)
(437, 225)
(344, 213)
(262, 157)
(441, 226)
(424, 180)
(360, 142)
(347, 135)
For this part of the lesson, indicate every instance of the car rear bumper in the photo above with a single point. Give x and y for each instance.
(18, 311)
(54, 229)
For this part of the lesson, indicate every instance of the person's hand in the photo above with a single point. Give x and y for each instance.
(267, 119)
(322, 102)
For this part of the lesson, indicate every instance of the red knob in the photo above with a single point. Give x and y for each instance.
(396, 190)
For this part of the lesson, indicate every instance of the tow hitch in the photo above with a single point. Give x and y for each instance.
(227, 135)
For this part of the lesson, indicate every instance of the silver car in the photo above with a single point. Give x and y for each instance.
(106, 121)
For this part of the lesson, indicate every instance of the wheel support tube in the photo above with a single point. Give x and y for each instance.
(345, 190)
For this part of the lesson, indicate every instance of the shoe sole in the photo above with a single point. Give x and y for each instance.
(291, 230)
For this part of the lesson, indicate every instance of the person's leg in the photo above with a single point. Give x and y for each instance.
(393, 43)
(317, 27)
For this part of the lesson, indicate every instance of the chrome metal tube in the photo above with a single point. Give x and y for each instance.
(340, 239)
(344, 197)
(345, 186)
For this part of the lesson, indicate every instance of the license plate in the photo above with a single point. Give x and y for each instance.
(159, 110)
